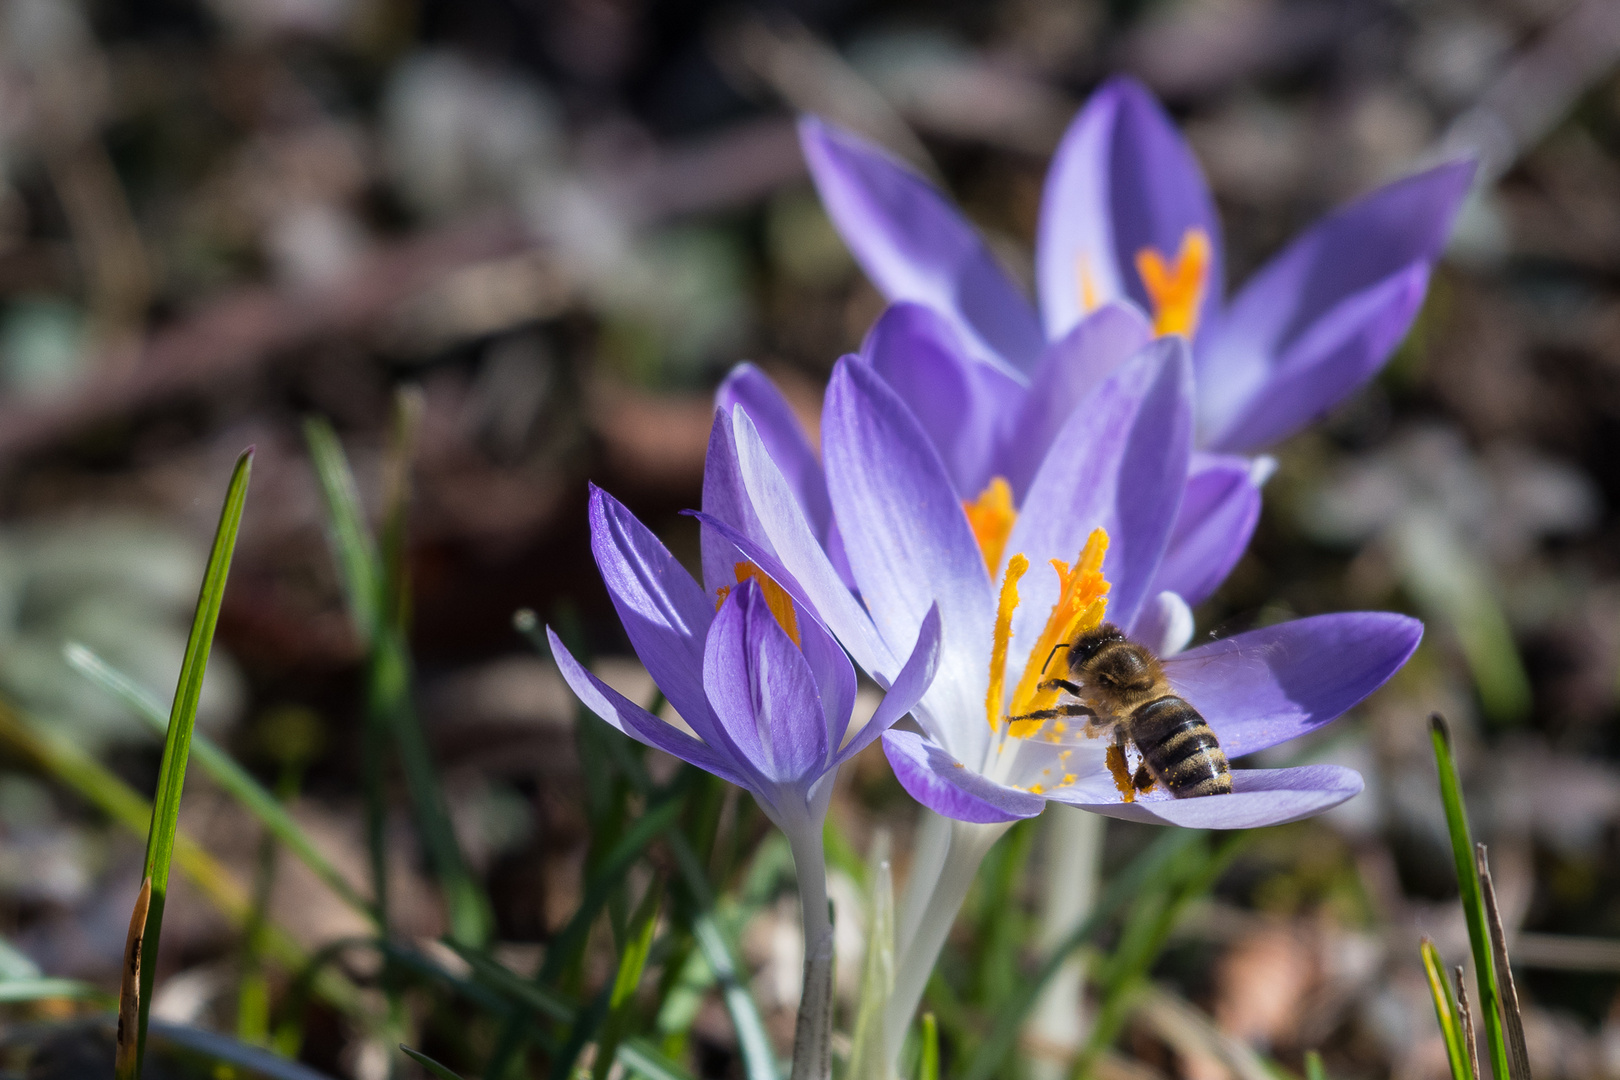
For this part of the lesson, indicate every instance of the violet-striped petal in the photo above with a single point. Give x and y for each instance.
(1274, 684)
(1260, 797)
(1122, 180)
(796, 559)
(833, 674)
(665, 613)
(1165, 624)
(1119, 464)
(1385, 236)
(1219, 511)
(1321, 367)
(784, 437)
(943, 784)
(908, 540)
(725, 498)
(906, 690)
(642, 725)
(1068, 372)
(915, 245)
(762, 691)
(964, 404)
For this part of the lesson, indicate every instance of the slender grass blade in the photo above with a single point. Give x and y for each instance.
(1314, 1069)
(1462, 849)
(126, 1061)
(1445, 1011)
(442, 1072)
(866, 1056)
(1470, 1041)
(182, 720)
(621, 1006)
(928, 1066)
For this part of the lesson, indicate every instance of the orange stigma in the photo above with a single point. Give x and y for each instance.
(1176, 287)
(991, 516)
(776, 598)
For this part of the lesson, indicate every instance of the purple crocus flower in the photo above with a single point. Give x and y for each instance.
(1102, 509)
(1128, 226)
(767, 696)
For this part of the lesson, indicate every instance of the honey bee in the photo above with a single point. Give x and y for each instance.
(1121, 687)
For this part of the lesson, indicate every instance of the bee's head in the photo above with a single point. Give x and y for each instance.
(1085, 647)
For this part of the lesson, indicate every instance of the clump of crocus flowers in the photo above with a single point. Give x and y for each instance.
(992, 483)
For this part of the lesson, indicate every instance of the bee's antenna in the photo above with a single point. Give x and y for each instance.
(1055, 648)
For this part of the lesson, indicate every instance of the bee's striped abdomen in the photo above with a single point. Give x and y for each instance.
(1179, 748)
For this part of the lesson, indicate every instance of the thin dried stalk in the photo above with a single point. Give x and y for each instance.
(1512, 1021)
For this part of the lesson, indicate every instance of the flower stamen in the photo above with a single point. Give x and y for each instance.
(1003, 636)
(1082, 601)
(1176, 287)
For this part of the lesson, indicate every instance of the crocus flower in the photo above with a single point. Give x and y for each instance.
(1087, 543)
(1128, 221)
(766, 694)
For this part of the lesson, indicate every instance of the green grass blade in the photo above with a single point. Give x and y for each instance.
(759, 1060)
(18, 991)
(641, 1057)
(1473, 903)
(1445, 1011)
(1314, 1069)
(222, 1050)
(621, 1005)
(222, 769)
(182, 720)
(928, 1066)
(352, 547)
(429, 1064)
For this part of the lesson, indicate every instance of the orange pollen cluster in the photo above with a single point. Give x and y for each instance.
(1082, 601)
(1176, 287)
(991, 517)
(776, 598)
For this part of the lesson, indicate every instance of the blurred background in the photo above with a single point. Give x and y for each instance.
(563, 221)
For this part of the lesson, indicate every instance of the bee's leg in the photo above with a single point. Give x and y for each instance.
(1143, 780)
(1061, 684)
(1056, 711)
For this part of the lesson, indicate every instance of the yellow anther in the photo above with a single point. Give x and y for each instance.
(1003, 634)
(1176, 288)
(991, 516)
(776, 598)
(1082, 600)
(1087, 284)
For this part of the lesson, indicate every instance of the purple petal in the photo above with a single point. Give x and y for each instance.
(833, 673)
(1373, 241)
(642, 725)
(1268, 686)
(1334, 356)
(726, 499)
(1122, 180)
(907, 689)
(762, 690)
(797, 560)
(914, 245)
(1218, 514)
(1068, 372)
(665, 613)
(908, 539)
(964, 404)
(946, 786)
(783, 436)
(1165, 624)
(1119, 464)
(1259, 797)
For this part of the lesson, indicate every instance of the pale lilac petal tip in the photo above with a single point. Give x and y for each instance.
(784, 438)
(906, 690)
(1274, 684)
(1260, 797)
(915, 245)
(945, 786)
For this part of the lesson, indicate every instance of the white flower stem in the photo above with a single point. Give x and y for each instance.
(965, 850)
(1073, 861)
(812, 1035)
